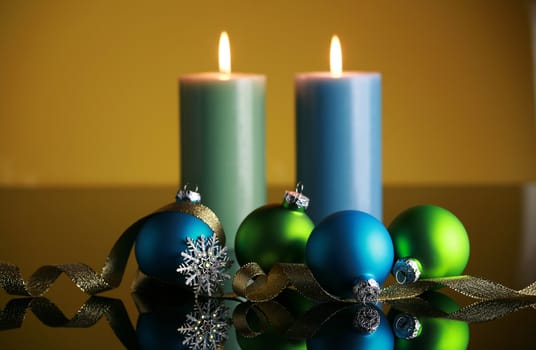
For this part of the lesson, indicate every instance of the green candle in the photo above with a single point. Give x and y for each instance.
(222, 140)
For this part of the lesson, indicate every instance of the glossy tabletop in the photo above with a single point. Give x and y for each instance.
(68, 225)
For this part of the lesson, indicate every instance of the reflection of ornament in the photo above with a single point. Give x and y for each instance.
(407, 326)
(423, 332)
(357, 327)
(288, 307)
(350, 253)
(162, 308)
(164, 235)
(275, 232)
(367, 319)
(270, 340)
(206, 327)
(429, 242)
(205, 262)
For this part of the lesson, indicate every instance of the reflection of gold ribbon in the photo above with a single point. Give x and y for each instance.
(253, 284)
(87, 315)
(274, 315)
(269, 314)
(83, 276)
(481, 311)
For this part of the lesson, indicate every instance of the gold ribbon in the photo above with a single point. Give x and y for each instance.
(83, 276)
(251, 283)
(470, 286)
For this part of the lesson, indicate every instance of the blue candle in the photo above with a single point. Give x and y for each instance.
(338, 131)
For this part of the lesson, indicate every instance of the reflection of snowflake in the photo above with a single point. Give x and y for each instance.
(206, 327)
(204, 264)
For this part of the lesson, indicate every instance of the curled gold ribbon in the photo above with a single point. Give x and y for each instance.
(82, 275)
(251, 283)
(470, 286)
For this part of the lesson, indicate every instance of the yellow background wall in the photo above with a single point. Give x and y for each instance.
(88, 89)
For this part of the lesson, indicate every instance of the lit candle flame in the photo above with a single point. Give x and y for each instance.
(335, 56)
(225, 54)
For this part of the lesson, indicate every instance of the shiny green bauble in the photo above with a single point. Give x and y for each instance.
(433, 239)
(274, 233)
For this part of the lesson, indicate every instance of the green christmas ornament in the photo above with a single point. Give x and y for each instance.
(429, 242)
(275, 232)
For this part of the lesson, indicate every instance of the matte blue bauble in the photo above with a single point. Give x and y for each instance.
(340, 332)
(346, 248)
(161, 240)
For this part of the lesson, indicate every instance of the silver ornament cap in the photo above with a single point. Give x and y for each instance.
(188, 195)
(407, 326)
(367, 319)
(406, 270)
(296, 198)
(366, 291)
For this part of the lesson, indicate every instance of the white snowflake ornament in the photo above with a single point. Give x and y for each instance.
(204, 266)
(206, 327)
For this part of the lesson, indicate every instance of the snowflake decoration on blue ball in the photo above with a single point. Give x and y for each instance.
(206, 327)
(204, 266)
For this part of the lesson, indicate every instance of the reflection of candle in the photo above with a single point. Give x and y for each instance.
(338, 129)
(222, 140)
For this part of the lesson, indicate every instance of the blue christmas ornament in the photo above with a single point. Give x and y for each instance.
(350, 253)
(164, 235)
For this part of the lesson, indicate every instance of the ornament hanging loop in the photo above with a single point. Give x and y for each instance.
(188, 195)
(299, 187)
(296, 199)
(186, 187)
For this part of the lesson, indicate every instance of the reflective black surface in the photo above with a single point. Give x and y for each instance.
(50, 226)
